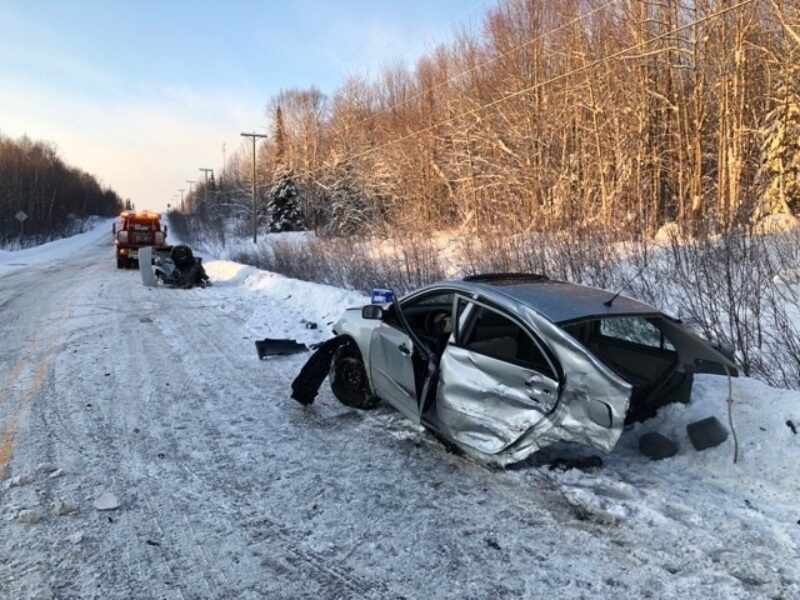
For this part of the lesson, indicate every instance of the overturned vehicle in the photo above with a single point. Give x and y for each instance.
(177, 266)
(504, 365)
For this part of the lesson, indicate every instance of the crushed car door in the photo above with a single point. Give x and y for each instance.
(497, 381)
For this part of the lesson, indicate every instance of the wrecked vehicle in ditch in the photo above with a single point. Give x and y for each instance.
(504, 365)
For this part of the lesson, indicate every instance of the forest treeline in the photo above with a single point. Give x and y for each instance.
(54, 195)
(623, 115)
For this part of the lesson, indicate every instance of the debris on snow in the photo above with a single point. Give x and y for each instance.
(30, 516)
(588, 505)
(656, 446)
(790, 424)
(18, 481)
(61, 508)
(106, 501)
(56, 473)
(706, 433)
(271, 347)
(46, 468)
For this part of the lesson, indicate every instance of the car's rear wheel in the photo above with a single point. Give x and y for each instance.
(121, 263)
(349, 379)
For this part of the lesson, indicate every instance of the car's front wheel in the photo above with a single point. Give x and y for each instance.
(349, 379)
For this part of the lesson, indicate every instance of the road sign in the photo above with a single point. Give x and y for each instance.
(21, 216)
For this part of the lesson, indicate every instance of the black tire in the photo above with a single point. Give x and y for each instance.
(349, 379)
(121, 263)
(182, 256)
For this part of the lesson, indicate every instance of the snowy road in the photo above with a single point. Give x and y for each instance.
(229, 489)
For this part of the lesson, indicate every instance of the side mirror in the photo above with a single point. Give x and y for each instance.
(113, 229)
(372, 312)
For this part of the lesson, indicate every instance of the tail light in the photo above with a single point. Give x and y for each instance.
(159, 237)
(122, 236)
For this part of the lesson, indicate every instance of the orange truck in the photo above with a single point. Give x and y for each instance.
(136, 230)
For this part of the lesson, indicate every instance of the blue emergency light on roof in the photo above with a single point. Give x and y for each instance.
(382, 295)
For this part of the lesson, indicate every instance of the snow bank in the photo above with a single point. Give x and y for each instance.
(11, 260)
(263, 295)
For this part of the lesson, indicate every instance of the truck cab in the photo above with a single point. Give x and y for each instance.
(135, 230)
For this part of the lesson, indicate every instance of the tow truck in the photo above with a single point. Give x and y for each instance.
(136, 230)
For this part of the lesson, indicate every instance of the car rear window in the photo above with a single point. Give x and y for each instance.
(635, 330)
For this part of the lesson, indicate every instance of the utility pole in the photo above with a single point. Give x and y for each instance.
(181, 191)
(254, 137)
(205, 188)
(191, 182)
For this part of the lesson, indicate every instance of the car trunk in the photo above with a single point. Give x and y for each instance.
(656, 356)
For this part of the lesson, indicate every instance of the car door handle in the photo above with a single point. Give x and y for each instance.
(404, 349)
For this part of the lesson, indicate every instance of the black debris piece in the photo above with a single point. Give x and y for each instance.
(311, 325)
(306, 385)
(706, 433)
(791, 426)
(152, 543)
(656, 446)
(492, 543)
(271, 347)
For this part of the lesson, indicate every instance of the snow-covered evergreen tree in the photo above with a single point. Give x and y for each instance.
(284, 204)
(780, 135)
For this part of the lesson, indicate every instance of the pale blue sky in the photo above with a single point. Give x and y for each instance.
(144, 93)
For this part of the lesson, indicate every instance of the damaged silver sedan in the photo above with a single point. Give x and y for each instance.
(504, 365)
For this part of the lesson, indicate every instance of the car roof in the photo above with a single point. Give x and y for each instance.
(559, 301)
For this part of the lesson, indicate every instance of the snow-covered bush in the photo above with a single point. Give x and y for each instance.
(353, 263)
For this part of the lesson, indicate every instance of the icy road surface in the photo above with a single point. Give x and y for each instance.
(229, 489)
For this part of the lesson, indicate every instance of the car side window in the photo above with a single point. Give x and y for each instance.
(440, 299)
(636, 330)
(495, 335)
(429, 316)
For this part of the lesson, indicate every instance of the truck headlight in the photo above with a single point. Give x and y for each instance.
(122, 236)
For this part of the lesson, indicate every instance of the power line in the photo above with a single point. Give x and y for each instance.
(497, 57)
(552, 80)
(382, 29)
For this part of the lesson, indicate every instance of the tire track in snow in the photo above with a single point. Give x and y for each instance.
(222, 349)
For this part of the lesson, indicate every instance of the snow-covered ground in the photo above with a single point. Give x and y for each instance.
(52, 252)
(227, 488)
